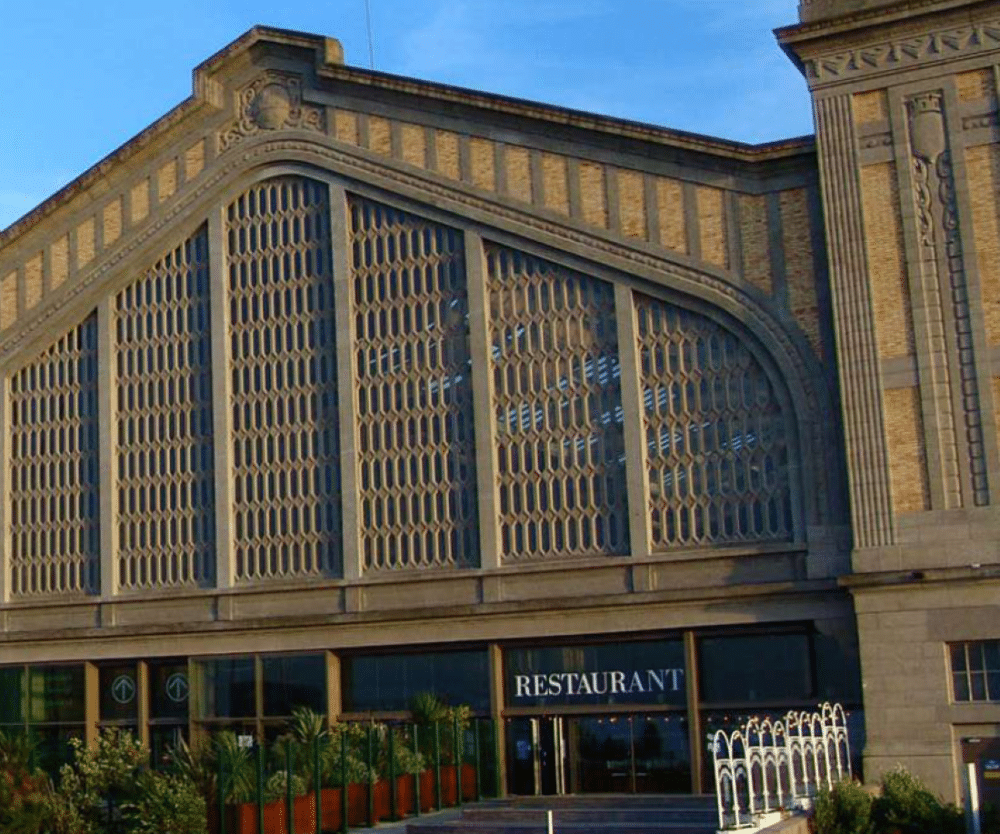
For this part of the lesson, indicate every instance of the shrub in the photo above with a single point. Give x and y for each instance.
(277, 786)
(167, 804)
(907, 807)
(23, 788)
(844, 810)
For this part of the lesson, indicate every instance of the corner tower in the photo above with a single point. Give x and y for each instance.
(905, 105)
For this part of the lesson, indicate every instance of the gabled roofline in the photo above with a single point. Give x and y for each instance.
(329, 64)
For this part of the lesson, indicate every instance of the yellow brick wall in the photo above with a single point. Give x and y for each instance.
(85, 244)
(593, 196)
(8, 300)
(975, 85)
(886, 260)
(670, 214)
(712, 225)
(112, 221)
(140, 201)
(800, 268)
(904, 429)
(446, 146)
(871, 106)
(166, 181)
(414, 145)
(33, 281)
(519, 174)
(59, 259)
(983, 164)
(379, 135)
(754, 233)
(632, 203)
(554, 178)
(345, 125)
(481, 159)
(194, 160)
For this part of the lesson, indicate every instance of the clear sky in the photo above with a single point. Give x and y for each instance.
(84, 76)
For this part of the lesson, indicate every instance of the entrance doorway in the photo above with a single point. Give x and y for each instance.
(984, 753)
(599, 754)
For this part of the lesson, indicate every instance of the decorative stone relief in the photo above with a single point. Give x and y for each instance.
(941, 255)
(271, 102)
(946, 43)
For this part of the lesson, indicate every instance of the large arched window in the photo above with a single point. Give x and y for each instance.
(717, 434)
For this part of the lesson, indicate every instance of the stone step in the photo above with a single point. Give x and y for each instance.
(573, 815)
(500, 827)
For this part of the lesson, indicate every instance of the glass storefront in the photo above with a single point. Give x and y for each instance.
(587, 717)
(389, 682)
(47, 703)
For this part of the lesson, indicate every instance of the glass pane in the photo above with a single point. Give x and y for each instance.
(119, 693)
(163, 739)
(291, 682)
(168, 689)
(993, 684)
(991, 650)
(389, 682)
(958, 657)
(961, 682)
(55, 694)
(11, 695)
(228, 688)
(616, 673)
(662, 754)
(755, 668)
(601, 755)
(53, 750)
(976, 656)
(978, 681)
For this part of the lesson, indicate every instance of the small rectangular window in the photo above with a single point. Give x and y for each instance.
(975, 668)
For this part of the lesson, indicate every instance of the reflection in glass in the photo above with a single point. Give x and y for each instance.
(292, 682)
(227, 688)
(389, 682)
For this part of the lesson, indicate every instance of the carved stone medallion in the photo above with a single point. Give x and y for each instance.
(272, 102)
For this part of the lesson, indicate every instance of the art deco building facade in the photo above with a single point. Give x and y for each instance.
(333, 387)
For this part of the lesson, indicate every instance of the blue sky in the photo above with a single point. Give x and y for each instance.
(84, 77)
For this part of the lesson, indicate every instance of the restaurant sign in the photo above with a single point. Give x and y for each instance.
(629, 673)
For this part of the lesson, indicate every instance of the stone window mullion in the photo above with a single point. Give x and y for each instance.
(483, 402)
(221, 399)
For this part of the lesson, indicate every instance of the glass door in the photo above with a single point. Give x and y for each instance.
(536, 751)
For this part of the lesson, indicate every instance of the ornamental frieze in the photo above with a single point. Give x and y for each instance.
(272, 102)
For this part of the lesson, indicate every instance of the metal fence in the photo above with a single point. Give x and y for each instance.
(359, 775)
(768, 766)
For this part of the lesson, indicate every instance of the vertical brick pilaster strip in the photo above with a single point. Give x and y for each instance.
(490, 557)
(350, 497)
(857, 357)
(636, 469)
(218, 280)
(107, 417)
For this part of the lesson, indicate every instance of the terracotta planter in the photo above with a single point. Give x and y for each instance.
(242, 819)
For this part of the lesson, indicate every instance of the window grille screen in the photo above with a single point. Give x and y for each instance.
(557, 389)
(166, 497)
(284, 385)
(55, 521)
(716, 436)
(415, 426)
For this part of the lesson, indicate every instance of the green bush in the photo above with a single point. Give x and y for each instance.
(24, 795)
(846, 809)
(167, 804)
(905, 806)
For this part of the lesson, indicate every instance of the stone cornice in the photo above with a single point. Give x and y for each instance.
(893, 39)
(903, 53)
